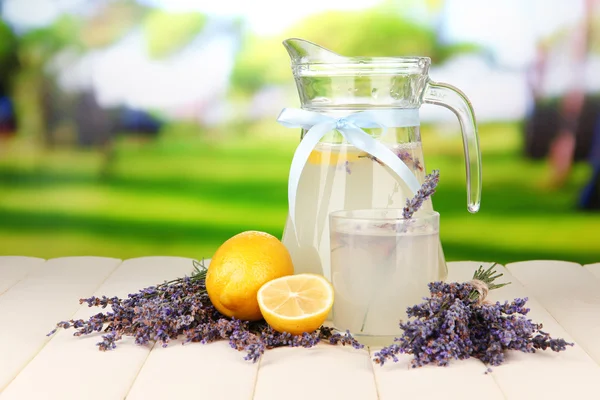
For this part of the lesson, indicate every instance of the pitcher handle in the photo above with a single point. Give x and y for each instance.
(453, 99)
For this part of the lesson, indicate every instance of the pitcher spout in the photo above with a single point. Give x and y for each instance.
(304, 52)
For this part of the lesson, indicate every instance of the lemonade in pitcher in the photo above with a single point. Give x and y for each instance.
(342, 177)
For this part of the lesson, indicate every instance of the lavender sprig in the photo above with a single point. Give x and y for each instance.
(426, 191)
(405, 156)
(408, 158)
(182, 308)
(454, 323)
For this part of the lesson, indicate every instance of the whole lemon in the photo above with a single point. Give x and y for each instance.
(240, 267)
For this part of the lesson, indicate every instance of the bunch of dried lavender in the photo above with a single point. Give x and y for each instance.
(182, 308)
(456, 323)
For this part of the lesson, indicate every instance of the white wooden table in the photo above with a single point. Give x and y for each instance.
(35, 294)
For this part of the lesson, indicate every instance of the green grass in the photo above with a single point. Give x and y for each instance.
(183, 196)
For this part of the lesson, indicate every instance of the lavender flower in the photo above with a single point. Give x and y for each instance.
(372, 158)
(108, 341)
(405, 156)
(337, 338)
(408, 159)
(426, 191)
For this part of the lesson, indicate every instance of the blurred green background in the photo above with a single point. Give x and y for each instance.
(140, 129)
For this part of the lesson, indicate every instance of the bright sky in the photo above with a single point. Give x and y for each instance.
(263, 16)
(27, 14)
(508, 28)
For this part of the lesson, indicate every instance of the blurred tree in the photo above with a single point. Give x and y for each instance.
(595, 34)
(380, 31)
(35, 49)
(167, 32)
(38, 46)
(42, 108)
(8, 54)
(260, 61)
(562, 34)
(8, 67)
(111, 23)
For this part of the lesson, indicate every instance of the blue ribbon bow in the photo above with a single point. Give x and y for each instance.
(318, 125)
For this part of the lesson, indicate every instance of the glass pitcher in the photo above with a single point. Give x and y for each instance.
(337, 175)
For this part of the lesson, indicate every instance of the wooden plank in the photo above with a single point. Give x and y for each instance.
(321, 372)
(212, 371)
(14, 268)
(31, 308)
(461, 379)
(570, 293)
(594, 269)
(528, 375)
(220, 371)
(69, 366)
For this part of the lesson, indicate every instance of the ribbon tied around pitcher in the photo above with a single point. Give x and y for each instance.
(350, 127)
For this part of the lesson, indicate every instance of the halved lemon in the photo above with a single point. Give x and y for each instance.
(296, 303)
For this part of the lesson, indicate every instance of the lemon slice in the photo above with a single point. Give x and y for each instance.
(333, 157)
(296, 303)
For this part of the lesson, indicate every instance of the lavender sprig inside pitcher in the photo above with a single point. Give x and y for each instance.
(412, 205)
(424, 193)
(404, 155)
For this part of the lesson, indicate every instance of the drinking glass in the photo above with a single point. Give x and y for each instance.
(381, 264)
